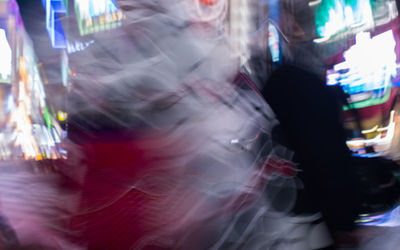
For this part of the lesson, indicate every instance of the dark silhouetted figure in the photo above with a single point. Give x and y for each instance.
(310, 116)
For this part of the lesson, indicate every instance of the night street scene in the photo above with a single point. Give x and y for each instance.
(199, 125)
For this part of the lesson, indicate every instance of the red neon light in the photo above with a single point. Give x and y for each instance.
(208, 2)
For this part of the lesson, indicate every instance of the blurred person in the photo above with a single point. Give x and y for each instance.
(310, 115)
(171, 147)
(155, 126)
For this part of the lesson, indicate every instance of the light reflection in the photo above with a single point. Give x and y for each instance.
(5, 58)
(30, 132)
(389, 219)
(380, 142)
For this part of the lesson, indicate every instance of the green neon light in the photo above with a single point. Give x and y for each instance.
(370, 102)
(333, 17)
(47, 117)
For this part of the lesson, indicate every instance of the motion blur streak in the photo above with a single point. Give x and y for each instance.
(169, 146)
(193, 175)
(34, 208)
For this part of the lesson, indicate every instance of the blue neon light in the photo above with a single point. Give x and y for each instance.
(55, 8)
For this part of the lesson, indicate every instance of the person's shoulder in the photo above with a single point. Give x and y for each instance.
(292, 75)
(293, 70)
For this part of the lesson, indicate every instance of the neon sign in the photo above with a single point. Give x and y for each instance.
(55, 8)
(368, 67)
(5, 58)
(97, 15)
(335, 16)
(208, 2)
(73, 47)
(273, 42)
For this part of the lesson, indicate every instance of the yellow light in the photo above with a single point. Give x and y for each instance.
(375, 128)
(367, 131)
(391, 120)
(356, 144)
(62, 116)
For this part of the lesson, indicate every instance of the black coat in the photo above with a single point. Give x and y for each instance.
(310, 117)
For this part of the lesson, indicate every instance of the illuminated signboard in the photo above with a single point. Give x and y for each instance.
(54, 10)
(384, 11)
(73, 47)
(273, 42)
(368, 67)
(97, 15)
(336, 16)
(5, 58)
